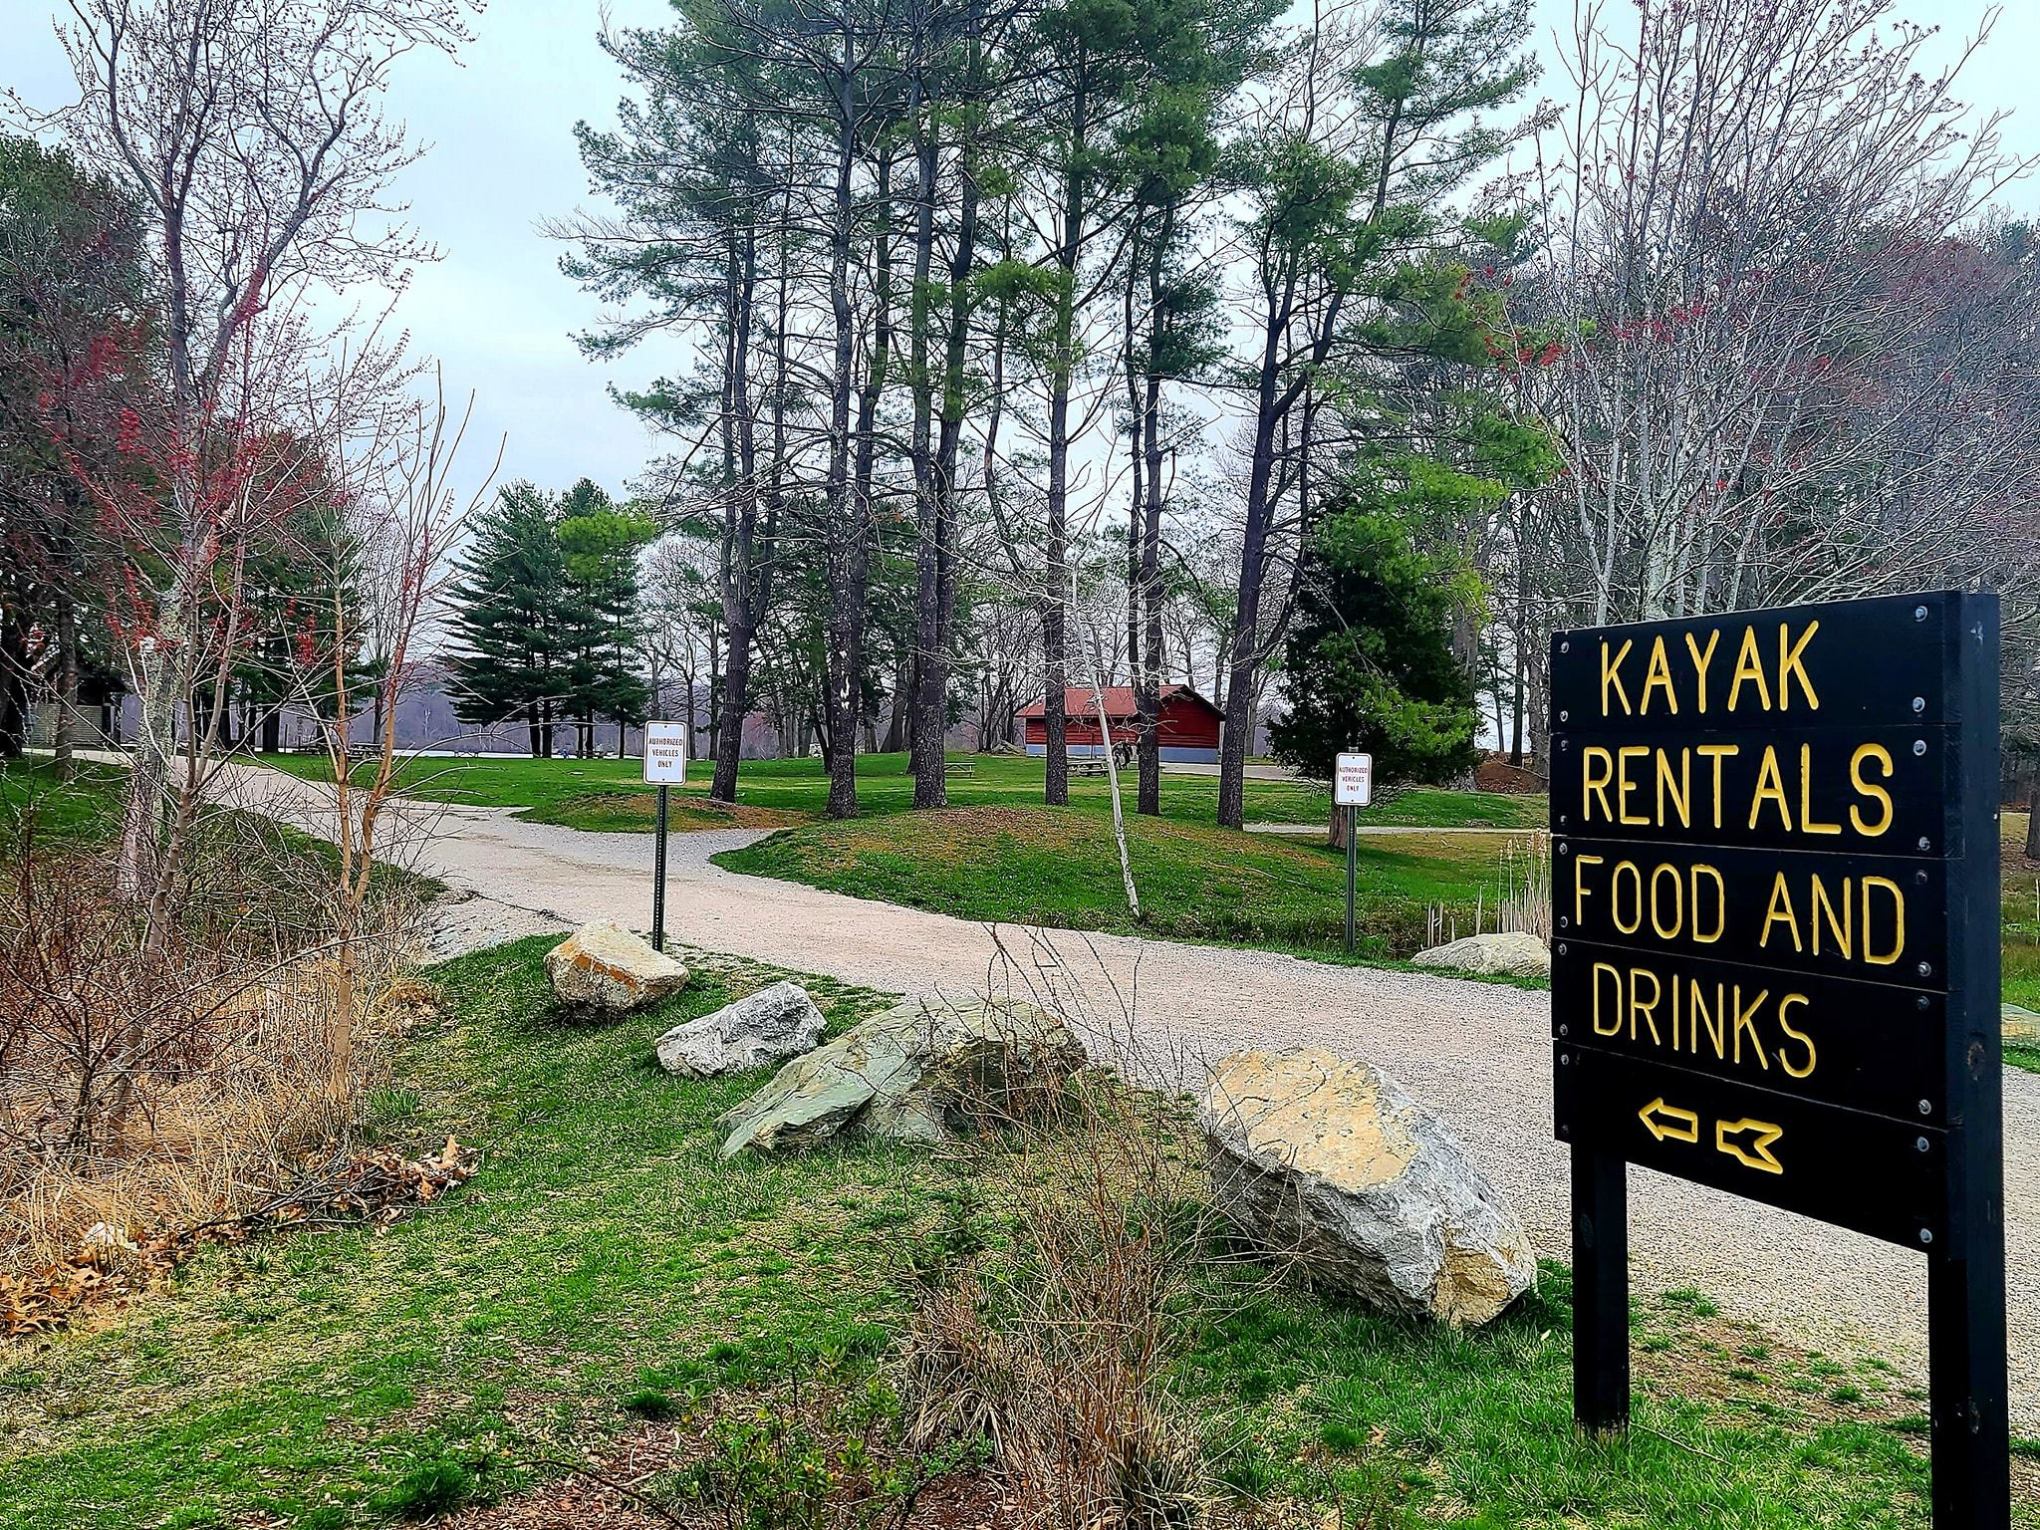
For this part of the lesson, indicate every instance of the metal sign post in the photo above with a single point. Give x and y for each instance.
(1775, 962)
(665, 764)
(1352, 789)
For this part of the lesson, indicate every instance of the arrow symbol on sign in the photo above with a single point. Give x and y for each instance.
(1758, 1154)
(1669, 1122)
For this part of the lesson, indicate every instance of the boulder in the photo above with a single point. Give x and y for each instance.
(2021, 1025)
(1332, 1163)
(763, 1027)
(917, 1072)
(1512, 954)
(602, 971)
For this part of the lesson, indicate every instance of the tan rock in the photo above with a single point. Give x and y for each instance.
(603, 971)
(1331, 1163)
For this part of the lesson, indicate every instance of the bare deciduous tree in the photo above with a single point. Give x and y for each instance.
(252, 135)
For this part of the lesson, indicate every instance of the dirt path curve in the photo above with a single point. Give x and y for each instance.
(1481, 1053)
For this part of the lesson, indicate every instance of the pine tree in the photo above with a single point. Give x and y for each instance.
(602, 624)
(513, 662)
(1369, 663)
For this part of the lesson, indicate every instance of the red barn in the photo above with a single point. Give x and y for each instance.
(1186, 724)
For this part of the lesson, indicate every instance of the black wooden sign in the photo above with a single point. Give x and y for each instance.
(1775, 961)
(1863, 1045)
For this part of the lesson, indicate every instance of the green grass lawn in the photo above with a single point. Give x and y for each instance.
(605, 1259)
(83, 808)
(608, 794)
(1060, 867)
(2022, 933)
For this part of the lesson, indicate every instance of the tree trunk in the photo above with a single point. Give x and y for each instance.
(903, 690)
(141, 826)
(849, 552)
(13, 700)
(745, 587)
(65, 731)
(2033, 813)
(1242, 658)
(730, 740)
(1146, 657)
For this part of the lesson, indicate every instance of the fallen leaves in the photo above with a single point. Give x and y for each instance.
(377, 1186)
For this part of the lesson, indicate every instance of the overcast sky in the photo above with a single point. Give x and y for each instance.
(497, 312)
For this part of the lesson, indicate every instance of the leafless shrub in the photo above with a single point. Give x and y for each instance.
(151, 1082)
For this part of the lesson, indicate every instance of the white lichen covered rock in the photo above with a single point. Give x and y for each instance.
(1510, 954)
(2021, 1025)
(768, 1026)
(915, 1072)
(1330, 1162)
(602, 971)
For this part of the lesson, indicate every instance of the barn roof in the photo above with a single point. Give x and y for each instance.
(1119, 701)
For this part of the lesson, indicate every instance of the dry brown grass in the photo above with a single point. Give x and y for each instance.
(143, 1090)
(1046, 1329)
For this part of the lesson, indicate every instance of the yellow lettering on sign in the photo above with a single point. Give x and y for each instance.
(1638, 1006)
(1680, 791)
(1636, 900)
(1614, 1025)
(1678, 903)
(1780, 912)
(1770, 788)
(1611, 676)
(1701, 661)
(1579, 899)
(1746, 1024)
(1800, 1070)
(1792, 661)
(1870, 953)
(1843, 929)
(1808, 824)
(1720, 905)
(1749, 666)
(1717, 753)
(1592, 786)
(1624, 785)
(1716, 1019)
(1658, 676)
(1866, 754)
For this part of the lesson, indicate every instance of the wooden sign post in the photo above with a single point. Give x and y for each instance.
(1775, 961)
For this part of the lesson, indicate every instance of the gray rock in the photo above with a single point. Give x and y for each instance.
(763, 1027)
(1332, 1163)
(2021, 1026)
(1511, 954)
(602, 971)
(915, 1072)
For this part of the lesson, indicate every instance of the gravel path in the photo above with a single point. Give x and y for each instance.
(1479, 1052)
